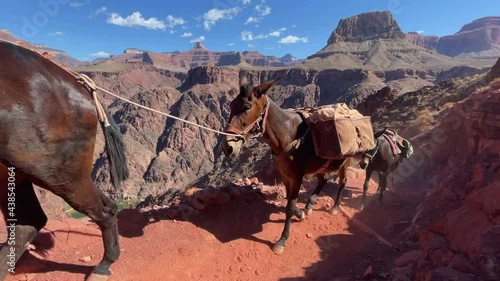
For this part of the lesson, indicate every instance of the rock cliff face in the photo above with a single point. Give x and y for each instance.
(164, 156)
(199, 56)
(495, 71)
(376, 105)
(428, 42)
(366, 26)
(457, 226)
(57, 55)
(288, 59)
(256, 59)
(374, 41)
(479, 39)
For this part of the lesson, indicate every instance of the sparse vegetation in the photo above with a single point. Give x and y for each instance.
(121, 204)
(424, 120)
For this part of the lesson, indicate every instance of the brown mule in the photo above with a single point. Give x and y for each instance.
(252, 111)
(48, 127)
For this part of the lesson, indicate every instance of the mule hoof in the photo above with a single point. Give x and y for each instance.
(308, 212)
(302, 216)
(278, 249)
(97, 277)
(334, 211)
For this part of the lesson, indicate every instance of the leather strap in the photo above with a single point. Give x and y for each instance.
(291, 147)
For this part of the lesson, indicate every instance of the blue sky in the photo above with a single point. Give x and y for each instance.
(88, 29)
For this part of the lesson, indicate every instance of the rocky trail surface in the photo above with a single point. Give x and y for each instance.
(232, 240)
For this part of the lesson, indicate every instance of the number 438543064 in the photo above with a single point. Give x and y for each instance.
(12, 179)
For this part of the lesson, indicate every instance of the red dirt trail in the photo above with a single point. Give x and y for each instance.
(233, 242)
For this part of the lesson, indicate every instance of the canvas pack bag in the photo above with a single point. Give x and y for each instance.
(339, 132)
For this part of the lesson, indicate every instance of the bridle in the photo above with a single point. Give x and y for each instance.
(243, 133)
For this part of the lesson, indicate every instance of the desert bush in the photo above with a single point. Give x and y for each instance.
(424, 120)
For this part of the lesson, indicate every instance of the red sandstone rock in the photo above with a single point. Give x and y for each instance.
(410, 257)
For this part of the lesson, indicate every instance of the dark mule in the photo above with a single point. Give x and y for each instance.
(253, 111)
(382, 160)
(48, 126)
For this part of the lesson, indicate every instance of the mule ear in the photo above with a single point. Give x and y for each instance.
(264, 87)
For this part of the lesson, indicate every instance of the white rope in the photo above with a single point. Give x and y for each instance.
(92, 86)
(168, 115)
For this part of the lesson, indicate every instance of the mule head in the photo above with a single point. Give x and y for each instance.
(365, 160)
(248, 114)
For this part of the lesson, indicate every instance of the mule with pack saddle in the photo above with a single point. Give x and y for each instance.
(389, 152)
(308, 141)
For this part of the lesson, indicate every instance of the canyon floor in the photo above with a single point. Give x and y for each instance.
(233, 241)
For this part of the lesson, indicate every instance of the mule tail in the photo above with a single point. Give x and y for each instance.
(114, 146)
(115, 151)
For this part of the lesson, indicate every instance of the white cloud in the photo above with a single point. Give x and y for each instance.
(136, 19)
(252, 20)
(57, 33)
(249, 36)
(76, 4)
(173, 21)
(198, 39)
(246, 36)
(230, 44)
(290, 39)
(420, 31)
(100, 54)
(187, 34)
(261, 36)
(275, 34)
(252, 46)
(245, 2)
(214, 15)
(99, 11)
(263, 9)
(294, 25)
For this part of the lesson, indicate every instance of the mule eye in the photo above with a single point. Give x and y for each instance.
(248, 106)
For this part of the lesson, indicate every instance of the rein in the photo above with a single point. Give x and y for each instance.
(243, 133)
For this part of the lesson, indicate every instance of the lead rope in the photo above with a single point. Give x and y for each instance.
(86, 81)
(91, 86)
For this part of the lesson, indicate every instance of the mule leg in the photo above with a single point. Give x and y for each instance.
(24, 219)
(291, 209)
(382, 186)
(379, 183)
(342, 182)
(85, 198)
(365, 187)
(314, 197)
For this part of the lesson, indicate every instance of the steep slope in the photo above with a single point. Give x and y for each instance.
(197, 56)
(375, 41)
(457, 226)
(57, 55)
(425, 41)
(415, 112)
(479, 39)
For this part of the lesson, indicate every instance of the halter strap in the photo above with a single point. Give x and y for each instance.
(247, 129)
